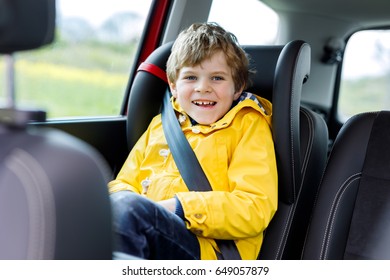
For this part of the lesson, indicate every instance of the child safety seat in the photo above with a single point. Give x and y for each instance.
(300, 135)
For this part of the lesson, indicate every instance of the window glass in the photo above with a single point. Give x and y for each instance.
(85, 71)
(365, 82)
(251, 21)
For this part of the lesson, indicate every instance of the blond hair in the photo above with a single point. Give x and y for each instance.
(199, 42)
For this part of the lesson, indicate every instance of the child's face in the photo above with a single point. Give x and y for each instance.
(206, 91)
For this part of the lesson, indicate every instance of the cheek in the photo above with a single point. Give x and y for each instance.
(182, 91)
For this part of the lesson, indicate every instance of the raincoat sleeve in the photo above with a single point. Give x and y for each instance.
(250, 201)
(128, 177)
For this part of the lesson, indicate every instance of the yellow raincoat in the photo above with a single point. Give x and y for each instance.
(237, 155)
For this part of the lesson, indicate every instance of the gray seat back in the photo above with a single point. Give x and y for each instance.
(351, 215)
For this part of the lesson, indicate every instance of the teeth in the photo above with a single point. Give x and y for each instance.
(204, 103)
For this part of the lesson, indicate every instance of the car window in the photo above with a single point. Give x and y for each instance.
(251, 21)
(365, 81)
(85, 71)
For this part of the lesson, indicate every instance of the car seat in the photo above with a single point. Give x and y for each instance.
(351, 215)
(54, 200)
(300, 135)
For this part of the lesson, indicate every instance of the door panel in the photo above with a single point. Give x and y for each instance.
(108, 136)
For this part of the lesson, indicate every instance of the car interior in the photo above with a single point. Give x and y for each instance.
(332, 165)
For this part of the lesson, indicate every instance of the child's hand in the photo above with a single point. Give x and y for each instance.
(169, 204)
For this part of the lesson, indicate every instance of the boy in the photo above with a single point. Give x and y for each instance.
(155, 215)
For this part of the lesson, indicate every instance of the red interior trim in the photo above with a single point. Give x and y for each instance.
(155, 28)
(154, 70)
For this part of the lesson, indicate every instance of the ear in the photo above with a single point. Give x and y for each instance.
(238, 93)
(172, 86)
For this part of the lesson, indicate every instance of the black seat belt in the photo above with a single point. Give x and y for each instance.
(189, 166)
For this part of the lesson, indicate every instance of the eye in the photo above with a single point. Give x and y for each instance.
(190, 78)
(217, 78)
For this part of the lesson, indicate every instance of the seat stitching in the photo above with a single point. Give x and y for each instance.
(41, 203)
(292, 211)
(334, 208)
(305, 162)
(309, 147)
(291, 115)
(286, 229)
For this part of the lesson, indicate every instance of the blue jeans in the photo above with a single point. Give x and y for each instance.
(146, 230)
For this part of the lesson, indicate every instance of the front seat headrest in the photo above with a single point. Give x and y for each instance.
(26, 24)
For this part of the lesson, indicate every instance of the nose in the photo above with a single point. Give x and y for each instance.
(203, 86)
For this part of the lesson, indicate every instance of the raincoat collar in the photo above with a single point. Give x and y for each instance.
(246, 100)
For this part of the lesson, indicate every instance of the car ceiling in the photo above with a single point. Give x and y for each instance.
(366, 12)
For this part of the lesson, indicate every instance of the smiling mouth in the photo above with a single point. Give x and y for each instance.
(204, 103)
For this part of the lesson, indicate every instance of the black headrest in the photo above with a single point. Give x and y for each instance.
(263, 79)
(26, 24)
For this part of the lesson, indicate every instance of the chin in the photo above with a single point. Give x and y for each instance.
(205, 122)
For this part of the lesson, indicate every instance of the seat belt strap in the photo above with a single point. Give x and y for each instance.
(189, 166)
(183, 154)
